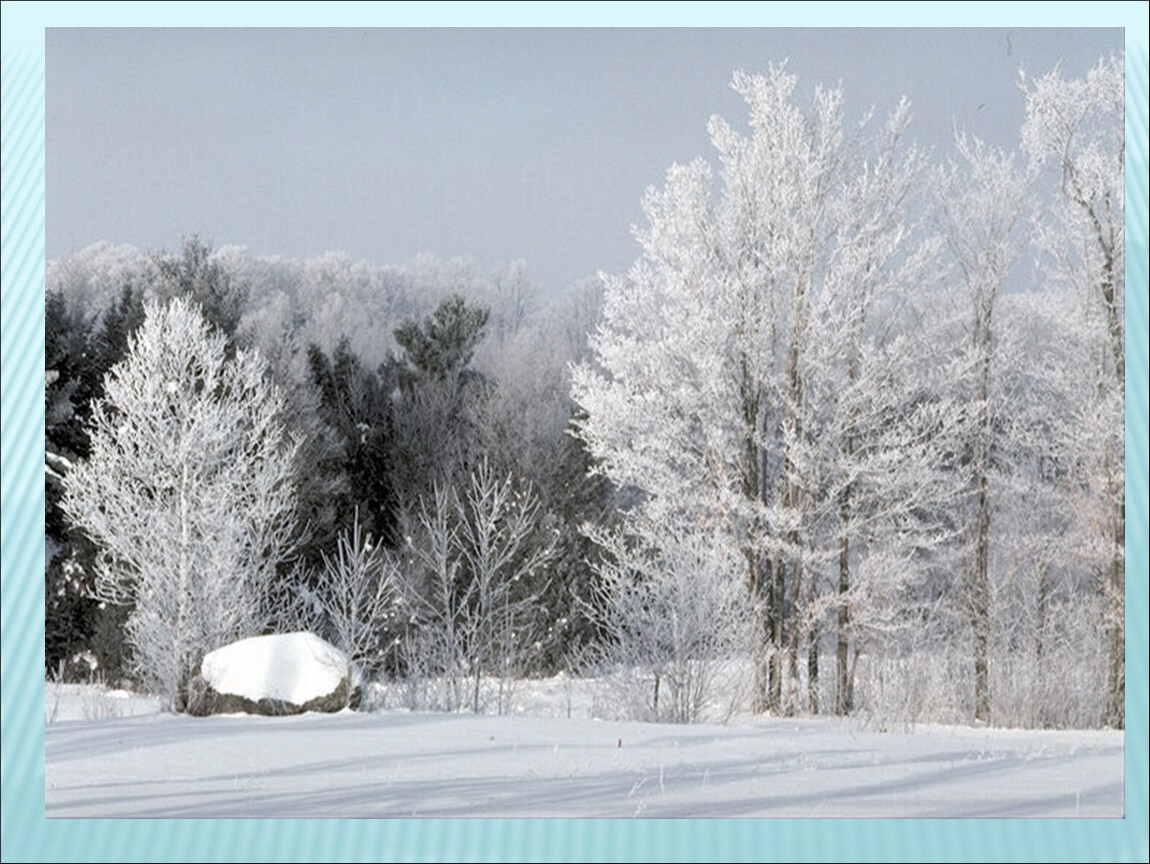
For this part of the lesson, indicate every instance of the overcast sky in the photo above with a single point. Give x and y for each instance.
(485, 144)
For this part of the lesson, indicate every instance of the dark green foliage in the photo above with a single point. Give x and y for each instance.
(573, 497)
(438, 398)
(77, 357)
(68, 621)
(67, 389)
(107, 641)
(194, 273)
(121, 320)
(441, 347)
(355, 404)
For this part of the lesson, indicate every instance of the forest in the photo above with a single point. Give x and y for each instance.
(847, 438)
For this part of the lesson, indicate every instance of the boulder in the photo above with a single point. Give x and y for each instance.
(274, 675)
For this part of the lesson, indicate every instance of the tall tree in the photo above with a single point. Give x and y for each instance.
(699, 392)
(1077, 127)
(982, 199)
(439, 393)
(188, 493)
(355, 403)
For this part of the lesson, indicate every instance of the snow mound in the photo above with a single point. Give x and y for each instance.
(288, 667)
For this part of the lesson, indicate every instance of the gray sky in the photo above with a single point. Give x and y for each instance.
(485, 144)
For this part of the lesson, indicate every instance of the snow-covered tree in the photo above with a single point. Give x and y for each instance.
(505, 559)
(188, 492)
(357, 589)
(1077, 127)
(480, 562)
(670, 605)
(433, 599)
(982, 200)
(698, 395)
(870, 443)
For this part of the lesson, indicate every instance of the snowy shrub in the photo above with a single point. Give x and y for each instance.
(472, 593)
(673, 620)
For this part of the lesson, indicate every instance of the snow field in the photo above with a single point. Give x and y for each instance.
(398, 764)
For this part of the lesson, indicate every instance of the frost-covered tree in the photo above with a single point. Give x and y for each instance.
(670, 605)
(869, 443)
(197, 273)
(434, 594)
(1047, 648)
(505, 559)
(1076, 126)
(188, 493)
(357, 589)
(982, 199)
(474, 592)
(522, 430)
(698, 395)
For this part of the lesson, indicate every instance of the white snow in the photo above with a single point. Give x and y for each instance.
(68, 702)
(292, 667)
(399, 764)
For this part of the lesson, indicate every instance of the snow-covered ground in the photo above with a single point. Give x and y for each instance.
(109, 754)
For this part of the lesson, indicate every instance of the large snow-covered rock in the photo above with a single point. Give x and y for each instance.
(286, 673)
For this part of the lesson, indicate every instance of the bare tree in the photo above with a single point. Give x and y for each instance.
(671, 608)
(357, 588)
(483, 559)
(505, 559)
(434, 596)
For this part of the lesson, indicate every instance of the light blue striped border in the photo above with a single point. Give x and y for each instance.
(26, 836)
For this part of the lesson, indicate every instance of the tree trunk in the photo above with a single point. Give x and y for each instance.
(1115, 580)
(843, 700)
(842, 694)
(980, 588)
(791, 501)
(761, 635)
(1116, 615)
(1116, 589)
(183, 586)
(793, 631)
(776, 580)
(980, 608)
(813, 668)
(1041, 708)
(752, 490)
